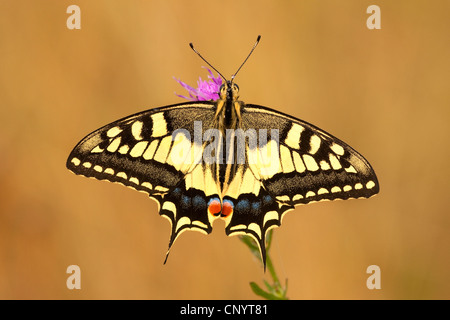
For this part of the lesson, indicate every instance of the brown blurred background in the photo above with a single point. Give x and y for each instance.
(385, 92)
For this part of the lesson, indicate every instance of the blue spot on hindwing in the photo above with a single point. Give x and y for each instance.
(199, 202)
(243, 206)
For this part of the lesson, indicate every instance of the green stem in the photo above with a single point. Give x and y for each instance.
(275, 290)
(271, 269)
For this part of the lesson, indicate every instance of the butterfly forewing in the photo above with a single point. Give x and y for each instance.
(312, 164)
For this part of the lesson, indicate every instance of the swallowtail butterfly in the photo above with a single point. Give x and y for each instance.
(204, 160)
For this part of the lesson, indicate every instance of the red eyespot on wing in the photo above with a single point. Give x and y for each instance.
(227, 208)
(214, 207)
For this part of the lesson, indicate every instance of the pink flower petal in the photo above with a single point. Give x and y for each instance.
(206, 89)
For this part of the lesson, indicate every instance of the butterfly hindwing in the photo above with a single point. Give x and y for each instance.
(255, 211)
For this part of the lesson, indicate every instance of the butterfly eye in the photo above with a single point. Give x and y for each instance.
(235, 87)
(223, 90)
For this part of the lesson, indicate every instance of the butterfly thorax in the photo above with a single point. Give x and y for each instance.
(228, 112)
(227, 121)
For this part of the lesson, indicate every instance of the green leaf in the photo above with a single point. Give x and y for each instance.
(268, 286)
(260, 292)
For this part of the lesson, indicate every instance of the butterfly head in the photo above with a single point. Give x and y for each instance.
(229, 91)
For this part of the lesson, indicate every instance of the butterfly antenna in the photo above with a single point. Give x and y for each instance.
(192, 47)
(254, 46)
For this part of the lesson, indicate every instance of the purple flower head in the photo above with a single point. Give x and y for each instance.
(207, 89)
